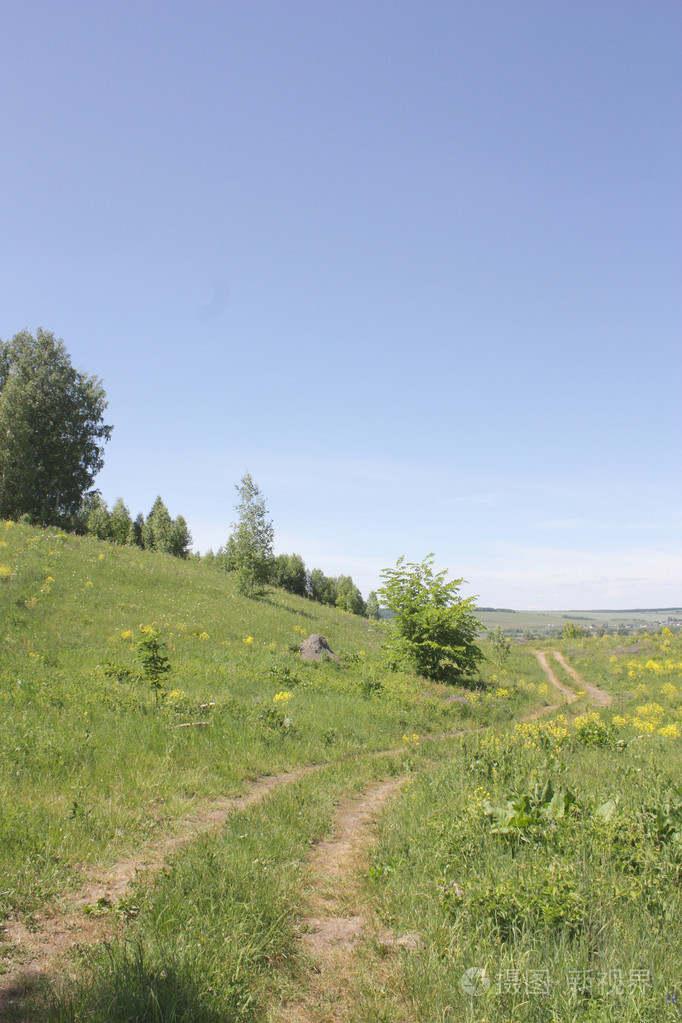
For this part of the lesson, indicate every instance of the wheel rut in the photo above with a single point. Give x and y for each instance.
(41, 943)
(336, 918)
(601, 698)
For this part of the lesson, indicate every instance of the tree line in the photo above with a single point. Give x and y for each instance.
(157, 532)
(52, 437)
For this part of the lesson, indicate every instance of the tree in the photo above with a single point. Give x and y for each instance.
(99, 519)
(52, 431)
(289, 573)
(156, 532)
(431, 627)
(323, 588)
(501, 645)
(180, 538)
(252, 539)
(348, 596)
(136, 531)
(121, 523)
(372, 606)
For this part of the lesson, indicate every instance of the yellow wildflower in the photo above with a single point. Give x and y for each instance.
(248, 640)
(282, 697)
(671, 731)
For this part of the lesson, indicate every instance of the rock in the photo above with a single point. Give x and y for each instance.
(315, 648)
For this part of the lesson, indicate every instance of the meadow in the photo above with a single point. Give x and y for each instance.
(544, 852)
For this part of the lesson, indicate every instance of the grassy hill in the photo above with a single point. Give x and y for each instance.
(538, 851)
(92, 766)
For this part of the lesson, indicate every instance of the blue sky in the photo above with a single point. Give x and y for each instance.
(415, 267)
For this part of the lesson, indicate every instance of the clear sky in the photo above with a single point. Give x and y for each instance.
(414, 266)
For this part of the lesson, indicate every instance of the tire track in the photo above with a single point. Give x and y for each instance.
(51, 933)
(336, 919)
(601, 698)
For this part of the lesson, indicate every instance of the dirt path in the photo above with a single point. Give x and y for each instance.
(601, 698)
(566, 691)
(34, 950)
(336, 918)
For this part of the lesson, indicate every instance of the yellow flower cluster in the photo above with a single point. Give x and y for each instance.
(5, 572)
(411, 738)
(529, 687)
(649, 717)
(203, 635)
(282, 697)
(248, 640)
(666, 667)
(591, 718)
(502, 693)
(176, 696)
(535, 734)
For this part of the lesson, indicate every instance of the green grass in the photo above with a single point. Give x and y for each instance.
(213, 929)
(90, 768)
(580, 895)
(474, 856)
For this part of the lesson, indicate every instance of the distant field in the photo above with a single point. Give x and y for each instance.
(520, 621)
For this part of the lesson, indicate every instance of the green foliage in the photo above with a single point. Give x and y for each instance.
(121, 523)
(99, 519)
(156, 533)
(432, 627)
(52, 432)
(501, 645)
(572, 631)
(526, 815)
(137, 530)
(155, 663)
(323, 589)
(372, 606)
(348, 596)
(180, 538)
(252, 539)
(159, 532)
(289, 573)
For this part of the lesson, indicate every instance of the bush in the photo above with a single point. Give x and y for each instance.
(432, 627)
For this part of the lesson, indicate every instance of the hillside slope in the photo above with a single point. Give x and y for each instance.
(91, 765)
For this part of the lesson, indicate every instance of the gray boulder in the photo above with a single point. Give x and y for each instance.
(315, 648)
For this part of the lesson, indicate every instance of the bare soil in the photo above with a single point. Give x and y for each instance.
(336, 918)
